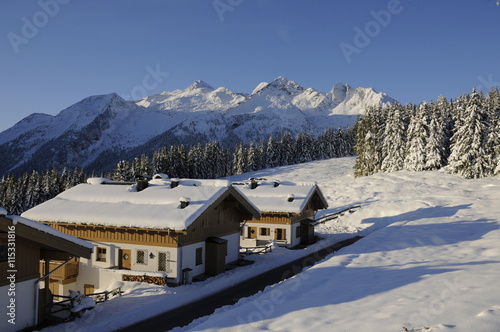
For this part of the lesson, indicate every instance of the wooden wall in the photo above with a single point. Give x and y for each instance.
(27, 261)
(220, 220)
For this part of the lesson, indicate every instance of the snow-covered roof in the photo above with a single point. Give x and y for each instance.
(49, 230)
(111, 204)
(276, 196)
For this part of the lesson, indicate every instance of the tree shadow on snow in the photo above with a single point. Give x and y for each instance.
(324, 286)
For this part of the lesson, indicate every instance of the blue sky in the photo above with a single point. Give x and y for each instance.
(56, 52)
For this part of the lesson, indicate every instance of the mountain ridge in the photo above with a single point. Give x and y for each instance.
(107, 125)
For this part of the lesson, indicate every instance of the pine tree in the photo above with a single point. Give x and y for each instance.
(367, 148)
(33, 193)
(197, 163)
(123, 171)
(493, 139)
(468, 157)
(160, 161)
(394, 141)
(417, 134)
(239, 160)
(250, 163)
(271, 153)
(435, 148)
(286, 150)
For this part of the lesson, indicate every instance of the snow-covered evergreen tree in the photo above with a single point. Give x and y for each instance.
(417, 139)
(160, 161)
(493, 139)
(394, 140)
(435, 147)
(272, 153)
(239, 160)
(123, 171)
(250, 163)
(367, 148)
(469, 157)
(285, 154)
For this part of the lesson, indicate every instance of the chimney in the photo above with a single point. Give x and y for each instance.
(184, 202)
(291, 197)
(253, 183)
(174, 182)
(276, 183)
(141, 185)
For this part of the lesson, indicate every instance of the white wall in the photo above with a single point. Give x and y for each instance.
(24, 306)
(90, 270)
(189, 253)
(233, 247)
(189, 258)
(291, 232)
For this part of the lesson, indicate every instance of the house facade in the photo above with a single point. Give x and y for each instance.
(288, 210)
(161, 231)
(24, 290)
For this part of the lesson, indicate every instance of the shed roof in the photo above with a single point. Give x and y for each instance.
(156, 207)
(45, 235)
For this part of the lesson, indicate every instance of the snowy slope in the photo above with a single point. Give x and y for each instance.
(435, 263)
(430, 258)
(99, 130)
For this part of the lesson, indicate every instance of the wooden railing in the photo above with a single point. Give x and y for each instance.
(65, 305)
(256, 250)
(335, 215)
(68, 271)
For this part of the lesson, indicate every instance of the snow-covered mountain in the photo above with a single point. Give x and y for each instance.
(99, 130)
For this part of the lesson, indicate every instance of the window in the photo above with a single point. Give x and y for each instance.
(265, 231)
(101, 254)
(163, 262)
(199, 256)
(297, 232)
(280, 233)
(141, 257)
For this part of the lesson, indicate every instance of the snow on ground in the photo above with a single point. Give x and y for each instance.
(430, 258)
(434, 261)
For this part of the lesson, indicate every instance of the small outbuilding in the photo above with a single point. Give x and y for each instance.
(288, 210)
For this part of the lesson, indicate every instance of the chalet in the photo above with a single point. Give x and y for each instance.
(162, 230)
(23, 244)
(287, 208)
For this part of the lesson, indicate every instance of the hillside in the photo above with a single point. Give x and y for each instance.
(429, 259)
(98, 131)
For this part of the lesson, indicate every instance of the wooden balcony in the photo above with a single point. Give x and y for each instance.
(68, 271)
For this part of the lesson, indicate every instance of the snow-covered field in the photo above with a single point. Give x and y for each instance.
(430, 258)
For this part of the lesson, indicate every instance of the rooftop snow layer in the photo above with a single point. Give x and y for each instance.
(157, 207)
(270, 198)
(49, 230)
